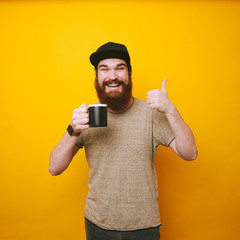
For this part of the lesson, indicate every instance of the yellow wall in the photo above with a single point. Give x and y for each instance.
(45, 73)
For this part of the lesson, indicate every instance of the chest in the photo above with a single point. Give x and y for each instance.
(122, 131)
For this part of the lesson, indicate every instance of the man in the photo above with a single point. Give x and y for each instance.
(122, 199)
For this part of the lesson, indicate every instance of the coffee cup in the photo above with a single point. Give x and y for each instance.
(97, 115)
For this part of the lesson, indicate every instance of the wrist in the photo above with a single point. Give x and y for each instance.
(171, 111)
(71, 131)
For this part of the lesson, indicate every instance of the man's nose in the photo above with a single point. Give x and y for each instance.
(112, 74)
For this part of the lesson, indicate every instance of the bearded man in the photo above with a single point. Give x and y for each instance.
(122, 201)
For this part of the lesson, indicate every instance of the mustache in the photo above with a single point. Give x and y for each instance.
(119, 101)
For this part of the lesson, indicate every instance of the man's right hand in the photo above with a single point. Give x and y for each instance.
(80, 118)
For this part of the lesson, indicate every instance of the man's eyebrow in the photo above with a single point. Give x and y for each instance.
(102, 65)
(121, 64)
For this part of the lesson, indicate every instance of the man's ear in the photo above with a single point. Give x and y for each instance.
(95, 71)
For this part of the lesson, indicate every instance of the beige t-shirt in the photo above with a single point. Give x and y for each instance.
(123, 190)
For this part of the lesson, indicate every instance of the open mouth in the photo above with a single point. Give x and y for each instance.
(113, 84)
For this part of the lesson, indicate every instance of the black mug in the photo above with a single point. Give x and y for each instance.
(97, 115)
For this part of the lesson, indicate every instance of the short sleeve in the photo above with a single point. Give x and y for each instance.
(162, 131)
(79, 142)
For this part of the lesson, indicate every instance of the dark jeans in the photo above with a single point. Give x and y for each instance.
(93, 232)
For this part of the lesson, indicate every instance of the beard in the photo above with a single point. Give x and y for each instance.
(116, 101)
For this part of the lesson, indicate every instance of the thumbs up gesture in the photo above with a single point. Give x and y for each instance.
(158, 99)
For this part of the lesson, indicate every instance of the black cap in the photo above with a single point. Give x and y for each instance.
(110, 50)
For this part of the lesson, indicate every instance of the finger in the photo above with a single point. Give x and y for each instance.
(85, 126)
(77, 122)
(150, 92)
(81, 109)
(153, 92)
(83, 115)
(84, 105)
(80, 128)
(84, 121)
(164, 89)
(79, 115)
(152, 106)
(151, 101)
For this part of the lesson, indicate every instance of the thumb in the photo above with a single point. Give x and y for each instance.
(164, 89)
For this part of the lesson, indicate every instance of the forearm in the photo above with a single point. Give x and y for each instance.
(62, 154)
(184, 138)
(184, 143)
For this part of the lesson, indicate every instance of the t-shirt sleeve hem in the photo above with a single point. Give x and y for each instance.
(170, 141)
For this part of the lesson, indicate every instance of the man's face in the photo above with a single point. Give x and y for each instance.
(112, 74)
(113, 83)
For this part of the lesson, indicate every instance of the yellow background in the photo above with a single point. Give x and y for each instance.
(45, 73)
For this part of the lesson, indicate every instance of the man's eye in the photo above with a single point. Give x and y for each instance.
(103, 69)
(120, 68)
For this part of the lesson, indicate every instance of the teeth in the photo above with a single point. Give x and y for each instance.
(113, 85)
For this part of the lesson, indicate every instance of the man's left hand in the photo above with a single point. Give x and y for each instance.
(158, 99)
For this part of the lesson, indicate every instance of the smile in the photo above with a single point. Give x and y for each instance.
(113, 84)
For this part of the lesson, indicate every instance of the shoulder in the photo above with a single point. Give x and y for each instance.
(143, 105)
(142, 110)
(140, 103)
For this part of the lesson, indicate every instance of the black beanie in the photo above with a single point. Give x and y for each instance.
(110, 50)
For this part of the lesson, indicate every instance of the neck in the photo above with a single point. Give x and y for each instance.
(124, 109)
